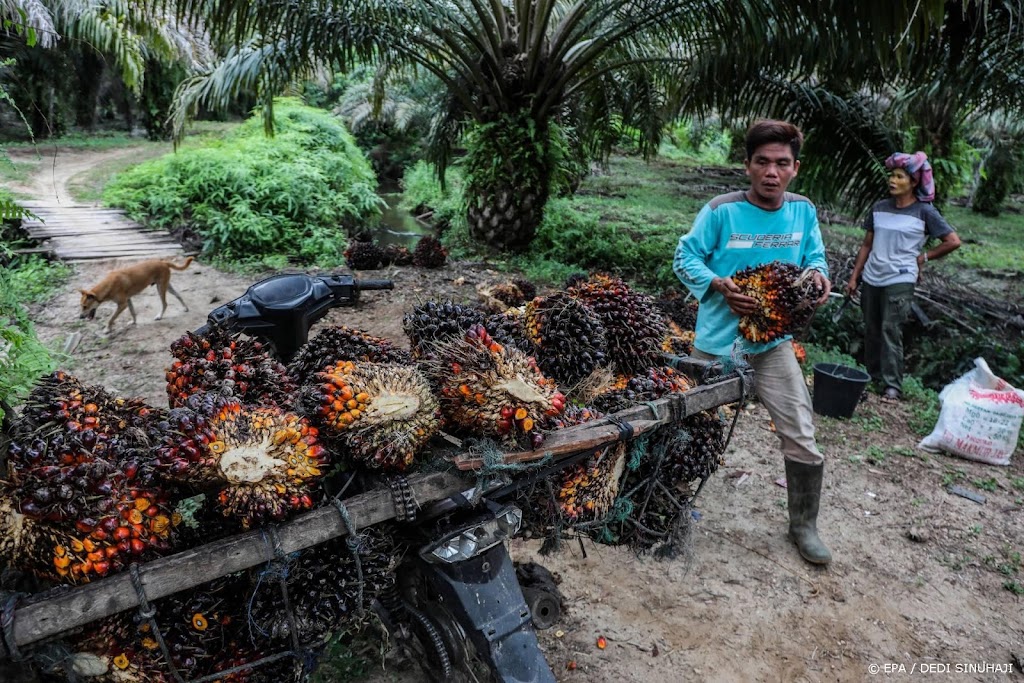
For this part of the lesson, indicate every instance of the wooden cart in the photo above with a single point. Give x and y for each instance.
(44, 616)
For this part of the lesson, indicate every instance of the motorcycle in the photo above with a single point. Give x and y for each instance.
(459, 610)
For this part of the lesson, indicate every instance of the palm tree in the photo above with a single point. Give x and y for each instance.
(513, 68)
(74, 39)
(510, 69)
(856, 105)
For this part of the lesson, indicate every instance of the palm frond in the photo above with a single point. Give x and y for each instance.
(31, 18)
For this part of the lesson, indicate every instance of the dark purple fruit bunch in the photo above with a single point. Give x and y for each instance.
(634, 327)
(429, 253)
(228, 364)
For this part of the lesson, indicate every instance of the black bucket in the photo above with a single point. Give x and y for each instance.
(837, 389)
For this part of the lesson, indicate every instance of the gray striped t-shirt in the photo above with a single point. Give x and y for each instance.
(899, 236)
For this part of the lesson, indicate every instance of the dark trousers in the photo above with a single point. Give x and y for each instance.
(885, 310)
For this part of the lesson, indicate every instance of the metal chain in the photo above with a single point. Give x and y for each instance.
(406, 506)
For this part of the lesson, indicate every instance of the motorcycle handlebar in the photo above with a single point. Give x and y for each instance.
(375, 284)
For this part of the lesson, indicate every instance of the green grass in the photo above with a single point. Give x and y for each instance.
(33, 279)
(627, 219)
(17, 170)
(989, 243)
(88, 186)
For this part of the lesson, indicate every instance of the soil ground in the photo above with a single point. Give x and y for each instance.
(922, 579)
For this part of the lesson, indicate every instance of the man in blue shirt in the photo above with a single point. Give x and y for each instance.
(747, 229)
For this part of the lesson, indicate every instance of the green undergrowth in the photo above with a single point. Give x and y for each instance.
(22, 357)
(627, 219)
(32, 279)
(251, 197)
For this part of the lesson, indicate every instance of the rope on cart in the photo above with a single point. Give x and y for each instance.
(7, 624)
(147, 614)
(352, 541)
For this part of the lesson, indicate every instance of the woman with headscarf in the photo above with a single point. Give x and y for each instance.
(890, 262)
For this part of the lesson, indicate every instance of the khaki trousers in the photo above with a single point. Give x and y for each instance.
(782, 390)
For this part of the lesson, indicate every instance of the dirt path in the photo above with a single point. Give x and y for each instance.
(74, 231)
(49, 185)
(920, 576)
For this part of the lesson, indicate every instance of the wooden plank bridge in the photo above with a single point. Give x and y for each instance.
(80, 232)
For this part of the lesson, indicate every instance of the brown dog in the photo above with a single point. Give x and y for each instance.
(121, 285)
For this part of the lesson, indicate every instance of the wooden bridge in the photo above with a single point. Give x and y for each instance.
(81, 232)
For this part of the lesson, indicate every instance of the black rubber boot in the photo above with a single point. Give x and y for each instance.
(803, 485)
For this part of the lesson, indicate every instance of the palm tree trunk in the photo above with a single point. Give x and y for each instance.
(509, 173)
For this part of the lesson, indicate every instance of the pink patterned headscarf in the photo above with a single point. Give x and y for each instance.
(916, 165)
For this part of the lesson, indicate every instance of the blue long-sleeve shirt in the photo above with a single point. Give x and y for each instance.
(730, 234)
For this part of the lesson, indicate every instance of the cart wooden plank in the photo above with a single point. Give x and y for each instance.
(641, 418)
(41, 617)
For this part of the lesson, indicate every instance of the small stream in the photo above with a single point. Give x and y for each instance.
(398, 226)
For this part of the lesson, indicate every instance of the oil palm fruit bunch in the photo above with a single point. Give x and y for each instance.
(628, 390)
(785, 297)
(800, 352)
(491, 390)
(381, 414)
(527, 288)
(509, 294)
(634, 327)
(575, 415)
(204, 629)
(433, 322)
(203, 626)
(654, 520)
(324, 586)
(569, 338)
(364, 256)
(694, 449)
(132, 528)
(681, 310)
(429, 253)
(678, 342)
(262, 463)
(79, 460)
(397, 255)
(509, 329)
(587, 491)
(337, 343)
(226, 362)
(114, 646)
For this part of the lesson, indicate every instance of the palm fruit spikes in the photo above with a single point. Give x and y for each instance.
(634, 327)
(628, 390)
(429, 253)
(679, 342)
(569, 339)
(694, 449)
(328, 593)
(492, 390)
(339, 343)
(262, 462)
(228, 363)
(382, 414)
(364, 256)
(785, 296)
(88, 548)
(433, 322)
(509, 329)
(587, 491)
